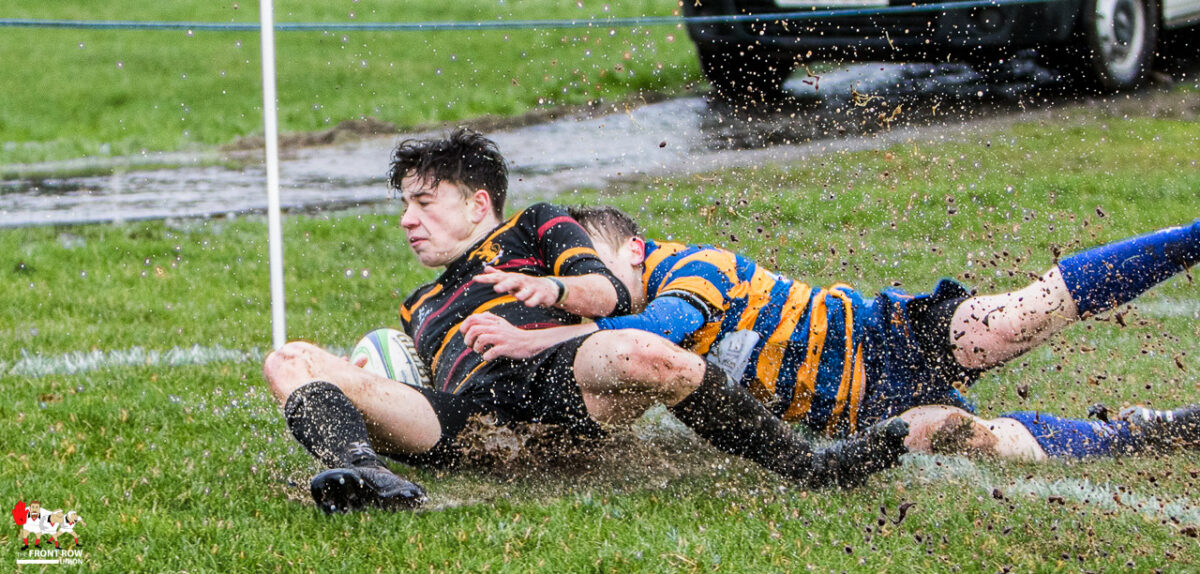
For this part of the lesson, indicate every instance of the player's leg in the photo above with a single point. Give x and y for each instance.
(989, 330)
(950, 430)
(337, 424)
(621, 373)
(398, 417)
(1165, 429)
(1138, 429)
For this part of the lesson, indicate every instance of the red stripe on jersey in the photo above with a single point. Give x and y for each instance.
(468, 351)
(557, 220)
(533, 261)
(429, 319)
(450, 374)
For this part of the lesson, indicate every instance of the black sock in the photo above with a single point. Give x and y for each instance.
(324, 420)
(731, 419)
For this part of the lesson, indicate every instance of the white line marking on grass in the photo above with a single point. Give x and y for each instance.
(939, 468)
(86, 361)
(1170, 308)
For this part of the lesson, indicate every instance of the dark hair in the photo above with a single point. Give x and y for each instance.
(611, 224)
(466, 159)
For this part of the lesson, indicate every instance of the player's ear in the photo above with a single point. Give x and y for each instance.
(480, 205)
(637, 248)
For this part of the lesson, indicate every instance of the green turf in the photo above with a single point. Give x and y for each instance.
(97, 93)
(190, 467)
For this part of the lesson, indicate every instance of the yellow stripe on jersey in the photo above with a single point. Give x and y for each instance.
(806, 375)
(468, 377)
(759, 295)
(437, 358)
(483, 251)
(699, 287)
(572, 252)
(847, 362)
(857, 388)
(770, 358)
(726, 264)
(406, 313)
(664, 251)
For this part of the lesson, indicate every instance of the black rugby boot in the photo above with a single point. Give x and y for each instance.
(850, 462)
(356, 488)
(1166, 429)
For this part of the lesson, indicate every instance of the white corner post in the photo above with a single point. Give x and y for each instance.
(271, 137)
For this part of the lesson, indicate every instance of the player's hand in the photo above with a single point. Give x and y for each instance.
(530, 290)
(494, 337)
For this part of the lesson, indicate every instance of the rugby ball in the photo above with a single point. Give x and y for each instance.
(390, 354)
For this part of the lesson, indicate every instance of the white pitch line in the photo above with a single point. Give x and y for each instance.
(85, 361)
(1165, 307)
(937, 468)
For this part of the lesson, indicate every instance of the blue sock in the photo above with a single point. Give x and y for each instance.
(1074, 438)
(1111, 275)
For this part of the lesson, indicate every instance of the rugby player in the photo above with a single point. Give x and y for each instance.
(68, 526)
(35, 520)
(535, 269)
(834, 360)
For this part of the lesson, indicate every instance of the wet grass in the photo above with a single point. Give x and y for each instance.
(190, 467)
(99, 93)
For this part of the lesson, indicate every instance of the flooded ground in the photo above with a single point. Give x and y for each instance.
(858, 107)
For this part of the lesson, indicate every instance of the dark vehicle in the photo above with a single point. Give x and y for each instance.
(1109, 44)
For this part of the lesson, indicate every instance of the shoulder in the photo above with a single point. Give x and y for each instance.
(418, 293)
(545, 215)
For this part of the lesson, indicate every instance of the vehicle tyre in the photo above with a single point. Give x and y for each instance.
(740, 74)
(1118, 40)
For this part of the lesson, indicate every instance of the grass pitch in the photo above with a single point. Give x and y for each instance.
(99, 93)
(184, 464)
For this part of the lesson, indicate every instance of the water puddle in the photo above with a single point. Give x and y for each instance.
(594, 149)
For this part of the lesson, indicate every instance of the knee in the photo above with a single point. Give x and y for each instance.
(282, 366)
(637, 355)
(986, 330)
(947, 430)
(650, 363)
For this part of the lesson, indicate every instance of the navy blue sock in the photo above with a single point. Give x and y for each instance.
(1075, 438)
(1111, 275)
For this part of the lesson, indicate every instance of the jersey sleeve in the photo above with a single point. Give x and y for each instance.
(670, 317)
(568, 251)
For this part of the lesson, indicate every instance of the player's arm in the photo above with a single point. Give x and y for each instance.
(577, 282)
(591, 295)
(671, 317)
(491, 336)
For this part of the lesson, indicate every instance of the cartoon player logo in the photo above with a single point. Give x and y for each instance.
(31, 520)
(38, 522)
(68, 527)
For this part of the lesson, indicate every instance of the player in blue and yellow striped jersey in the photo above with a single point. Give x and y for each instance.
(835, 360)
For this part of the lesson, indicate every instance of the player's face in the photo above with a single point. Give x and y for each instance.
(440, 223)
(625, 261)
(35, 507)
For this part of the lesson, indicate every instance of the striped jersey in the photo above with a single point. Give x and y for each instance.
(540, 240)
(808, 364)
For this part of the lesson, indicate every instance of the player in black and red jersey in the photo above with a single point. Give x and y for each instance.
(537, 268)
